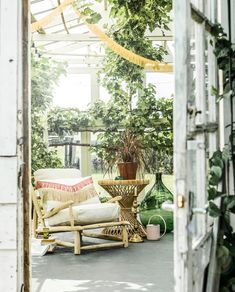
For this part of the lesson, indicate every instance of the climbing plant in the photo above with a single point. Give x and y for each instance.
(44, 75)
(68, 121)
(224, 50)
(133, 105)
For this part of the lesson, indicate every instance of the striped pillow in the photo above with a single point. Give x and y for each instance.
(63, 190)
(66, 184)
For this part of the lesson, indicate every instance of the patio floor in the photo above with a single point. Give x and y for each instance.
(144, 266)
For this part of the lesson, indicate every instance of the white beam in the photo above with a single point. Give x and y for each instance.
(82, 70)
(64, 37)
(67, 48)
(74, 55)
(85, 159)
(84, 60)
(88, 37)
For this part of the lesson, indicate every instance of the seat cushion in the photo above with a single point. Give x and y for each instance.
(86, 214)
(51, 204)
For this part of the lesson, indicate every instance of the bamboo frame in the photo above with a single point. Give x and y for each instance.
(76, 229)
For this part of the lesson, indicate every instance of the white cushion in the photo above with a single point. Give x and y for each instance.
(52, 173)
(86, 214)
(50, 204)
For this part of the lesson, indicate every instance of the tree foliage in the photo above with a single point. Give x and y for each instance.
(45, 74)
(133, 105)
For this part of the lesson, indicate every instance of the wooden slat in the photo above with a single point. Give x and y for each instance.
(8, 77)
(25, 80)
(77, 243)
(53, 229)
(8, 176)
(11, 154)
(102, 245)
(8, 269)
(200, 119)
(124, 236)
(182, 243)
(64, 243)
(101, 236)
(56, 210)
(8, 227)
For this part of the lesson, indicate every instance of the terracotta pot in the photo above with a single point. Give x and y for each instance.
(128, 170)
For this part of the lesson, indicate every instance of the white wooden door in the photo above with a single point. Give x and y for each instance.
(14, 158)
(195, 139)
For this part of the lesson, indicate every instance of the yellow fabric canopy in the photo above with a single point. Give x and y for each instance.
(118, 49)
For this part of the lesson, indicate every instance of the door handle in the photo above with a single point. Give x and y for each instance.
(202, 211)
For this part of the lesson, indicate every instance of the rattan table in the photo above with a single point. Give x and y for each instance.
(129, 190)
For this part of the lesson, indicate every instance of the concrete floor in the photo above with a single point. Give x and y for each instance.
(144, 266)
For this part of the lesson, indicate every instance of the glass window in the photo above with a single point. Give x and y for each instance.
(104, 95)
(74, 90)
(164, 83)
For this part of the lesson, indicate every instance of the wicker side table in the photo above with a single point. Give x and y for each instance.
(129, 190)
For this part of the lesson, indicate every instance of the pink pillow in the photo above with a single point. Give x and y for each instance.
(66, 184)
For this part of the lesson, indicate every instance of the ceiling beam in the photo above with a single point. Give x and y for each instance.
(65, 37)
(82, 70)
(88, 37)
(68, 48)
(73, 54)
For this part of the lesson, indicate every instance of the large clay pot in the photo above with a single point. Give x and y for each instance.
(128, 170)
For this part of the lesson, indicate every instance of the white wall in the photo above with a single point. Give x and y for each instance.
(11, 227)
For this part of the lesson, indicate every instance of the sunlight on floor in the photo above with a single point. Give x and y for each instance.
(82, 285)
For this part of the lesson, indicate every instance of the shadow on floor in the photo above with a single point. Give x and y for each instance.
(144, 266)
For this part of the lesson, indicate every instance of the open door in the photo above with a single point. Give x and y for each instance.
(195, 139)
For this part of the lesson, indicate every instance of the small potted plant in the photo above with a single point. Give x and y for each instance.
(124, 149)
(129, 154)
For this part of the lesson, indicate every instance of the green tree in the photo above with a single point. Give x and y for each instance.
(133, 105)
(45, 74)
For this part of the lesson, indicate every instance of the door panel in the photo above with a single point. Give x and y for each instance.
(195, 139)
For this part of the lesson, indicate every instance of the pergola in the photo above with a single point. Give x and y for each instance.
(68, 38)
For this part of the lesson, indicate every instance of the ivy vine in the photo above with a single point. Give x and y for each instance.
(224, 50)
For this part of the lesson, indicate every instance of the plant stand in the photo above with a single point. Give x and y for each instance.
(129, 190)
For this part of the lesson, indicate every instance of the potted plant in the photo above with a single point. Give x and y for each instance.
(128, 154)
(122, 149)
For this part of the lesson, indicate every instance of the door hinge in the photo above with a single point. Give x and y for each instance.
(208, 127)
